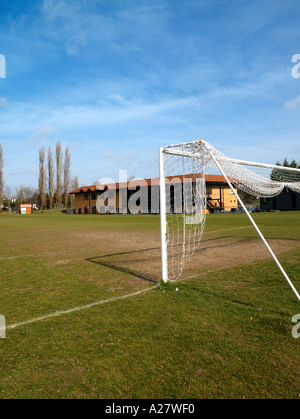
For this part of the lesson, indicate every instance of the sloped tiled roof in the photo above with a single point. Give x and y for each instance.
(144, 182)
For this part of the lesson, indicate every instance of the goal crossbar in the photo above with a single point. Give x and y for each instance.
(172, 150)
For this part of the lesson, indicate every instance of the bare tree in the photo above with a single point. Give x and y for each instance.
(67, 173)
(31, 195)
(20, 194)
(58, 175)
(7, 193)
(1, 176)
(50, 178)
(42, 178)
(7, 196)
(74, 185)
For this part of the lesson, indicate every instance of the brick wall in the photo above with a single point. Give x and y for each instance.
(115, 201)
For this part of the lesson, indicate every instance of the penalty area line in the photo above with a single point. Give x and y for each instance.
(79, 308)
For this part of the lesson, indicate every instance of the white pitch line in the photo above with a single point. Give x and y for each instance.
(19, 256)
(85, 307)
(73, 310)
(227, 229)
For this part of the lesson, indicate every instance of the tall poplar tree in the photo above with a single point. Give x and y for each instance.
(74, 185)
(59, 159)
(67, 173)
(42, 178)
(51, 180)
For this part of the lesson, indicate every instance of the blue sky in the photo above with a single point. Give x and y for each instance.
(116, 79)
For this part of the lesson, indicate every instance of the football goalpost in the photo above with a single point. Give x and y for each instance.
(183, 197)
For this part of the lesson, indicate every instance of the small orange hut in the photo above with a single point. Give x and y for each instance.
(25, 209)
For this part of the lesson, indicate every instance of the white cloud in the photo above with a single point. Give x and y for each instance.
(40, 136)
(3, 102)
(75, 43)
(293, 103)
(55, 9)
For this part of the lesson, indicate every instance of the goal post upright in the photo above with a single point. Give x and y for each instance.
(163, 214)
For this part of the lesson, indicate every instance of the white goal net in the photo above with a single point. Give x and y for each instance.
(183, 200)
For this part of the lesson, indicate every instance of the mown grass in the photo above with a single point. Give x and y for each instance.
(221, 335)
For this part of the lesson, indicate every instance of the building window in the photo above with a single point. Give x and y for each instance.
(86, 210)
(86, 197)
(94, 197)
(94, 211)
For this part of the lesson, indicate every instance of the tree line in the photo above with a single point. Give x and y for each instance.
(286, 176)
(54, 182)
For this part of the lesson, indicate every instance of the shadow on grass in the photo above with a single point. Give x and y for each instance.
(99, 260)
(102, 260)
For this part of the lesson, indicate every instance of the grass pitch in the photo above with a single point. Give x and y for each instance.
(223, 332)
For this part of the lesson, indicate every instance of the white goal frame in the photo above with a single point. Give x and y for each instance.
(174, 150)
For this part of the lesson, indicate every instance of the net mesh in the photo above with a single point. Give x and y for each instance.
(261, 180)
(185, 208)
(186, 166)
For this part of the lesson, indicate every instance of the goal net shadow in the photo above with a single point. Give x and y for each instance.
(216, 251)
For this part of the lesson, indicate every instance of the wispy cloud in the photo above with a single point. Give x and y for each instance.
(293, 103)
(60, 9)
(75, 43)
(3, 102)
(116, 79)
(40, 137)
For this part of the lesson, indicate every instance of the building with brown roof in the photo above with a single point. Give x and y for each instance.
(142, 196)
